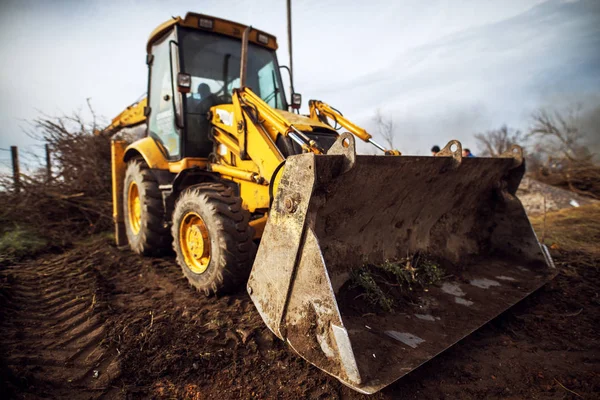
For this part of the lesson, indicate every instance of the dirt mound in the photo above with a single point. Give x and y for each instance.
(148, 334)
(533, 194)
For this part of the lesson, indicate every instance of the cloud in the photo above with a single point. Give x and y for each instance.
(483, 77)
(443, 71)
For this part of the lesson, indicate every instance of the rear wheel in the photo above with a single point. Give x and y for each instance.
(144, 211)
(212, 238)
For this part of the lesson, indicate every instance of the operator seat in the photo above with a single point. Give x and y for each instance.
(198, 126)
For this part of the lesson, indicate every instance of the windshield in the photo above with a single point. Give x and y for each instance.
(213, 61)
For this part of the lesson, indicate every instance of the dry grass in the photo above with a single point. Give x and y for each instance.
(571, 230)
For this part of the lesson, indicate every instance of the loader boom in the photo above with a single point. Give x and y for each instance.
(133, 115)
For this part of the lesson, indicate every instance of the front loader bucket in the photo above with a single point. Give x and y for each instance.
(335, 213)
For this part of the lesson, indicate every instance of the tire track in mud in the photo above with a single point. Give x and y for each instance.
(138, 323)
(54, 328)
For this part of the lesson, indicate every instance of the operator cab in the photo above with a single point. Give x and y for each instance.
(208, 50)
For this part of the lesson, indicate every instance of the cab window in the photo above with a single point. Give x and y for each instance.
(161, 124)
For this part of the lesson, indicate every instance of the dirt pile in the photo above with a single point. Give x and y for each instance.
(582, 176)
(533, 194)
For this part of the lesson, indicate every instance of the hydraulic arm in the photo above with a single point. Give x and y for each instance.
(259, 112)
(248, 130)
(320, 111)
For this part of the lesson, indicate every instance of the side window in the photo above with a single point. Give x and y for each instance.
(162, 116)
(268, 86)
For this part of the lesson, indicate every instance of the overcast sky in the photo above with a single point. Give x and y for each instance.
(440, 69)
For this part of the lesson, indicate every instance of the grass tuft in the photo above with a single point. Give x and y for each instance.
(382, 283)
(362, 278)
(19, 243)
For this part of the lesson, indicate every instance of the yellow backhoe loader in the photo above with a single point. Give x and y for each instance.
(214, 161)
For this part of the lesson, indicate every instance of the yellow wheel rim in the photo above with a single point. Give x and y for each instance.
(194, 242)
(134, 207)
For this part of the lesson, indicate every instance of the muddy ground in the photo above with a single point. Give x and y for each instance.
(98, 322)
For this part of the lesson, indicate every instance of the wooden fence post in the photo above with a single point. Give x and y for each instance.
(15, 165)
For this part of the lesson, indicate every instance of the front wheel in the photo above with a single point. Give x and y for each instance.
(212, 238)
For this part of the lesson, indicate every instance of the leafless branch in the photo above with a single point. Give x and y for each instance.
(78, 197)
(498, 141)
(568, 160)
(385, 128)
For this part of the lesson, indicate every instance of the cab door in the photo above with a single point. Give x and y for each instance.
(162, 123)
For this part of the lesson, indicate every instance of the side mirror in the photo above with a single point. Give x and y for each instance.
(296, 101)
(184, 82)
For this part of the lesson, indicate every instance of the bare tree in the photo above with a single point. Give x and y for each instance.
(497, 141)
(385, 128)
(559, 136)
(569, 162)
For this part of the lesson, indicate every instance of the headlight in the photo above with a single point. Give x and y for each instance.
(262, 38)
(206, 23)
(184, 82)
(296, 100)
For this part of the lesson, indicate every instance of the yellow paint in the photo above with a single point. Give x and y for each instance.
(254, 196)
(236, 131)
(131, 116)
(259, 225)
(149, 149)
(233, 172)
(303, 122)
(194, 242)
(393, 153)
(226, 140)
(320, 111)
(117, 150)
(134, 208)
(262, 153)
(221, 26)
(318, 108)
(176, 167)
(160, 31)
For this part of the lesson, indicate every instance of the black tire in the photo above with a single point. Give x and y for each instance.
(232, 249)
(153, 236)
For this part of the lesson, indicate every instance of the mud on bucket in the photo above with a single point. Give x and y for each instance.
(371, 265)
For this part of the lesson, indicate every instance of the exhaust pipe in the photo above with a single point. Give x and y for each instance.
(244, 56)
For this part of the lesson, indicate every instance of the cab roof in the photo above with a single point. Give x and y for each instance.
(211, 24)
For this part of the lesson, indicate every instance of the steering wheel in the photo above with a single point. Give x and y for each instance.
(224, 99)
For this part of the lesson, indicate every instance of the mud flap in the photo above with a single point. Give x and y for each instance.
(339, 211)
(117, 152)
